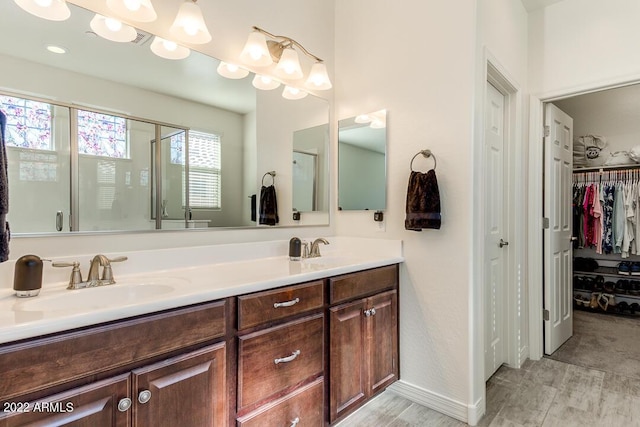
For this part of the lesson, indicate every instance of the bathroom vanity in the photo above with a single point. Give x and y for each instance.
(308, 348)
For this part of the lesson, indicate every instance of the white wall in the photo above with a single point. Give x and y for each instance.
(579, 44)
(416, 59)
(437, 60)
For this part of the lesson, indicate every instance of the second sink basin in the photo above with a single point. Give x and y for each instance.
(101, 296)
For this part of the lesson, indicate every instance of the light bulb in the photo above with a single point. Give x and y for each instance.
(264, 82)
(255, 51)
(293, 93)
(44, 3)
(113, 24)
(231, 71)
(132, 5)
(191, 28)
(168, 49)
(289, 65)
(169, 45)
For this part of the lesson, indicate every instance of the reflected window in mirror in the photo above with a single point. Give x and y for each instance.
(362, 144)
(102, 135)
(205, 170)
(28, 123)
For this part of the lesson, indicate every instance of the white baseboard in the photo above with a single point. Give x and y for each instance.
(470, 414)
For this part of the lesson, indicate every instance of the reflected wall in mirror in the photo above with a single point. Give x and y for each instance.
(362, 142)
(309, 169)
(115, 190)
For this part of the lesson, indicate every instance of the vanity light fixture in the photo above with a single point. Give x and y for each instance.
(189, 25)
(53, 10)
(376, 120)
(293, 93)
(112, 29)
(264, 82)
(260, 52)
(168, 49)
(231, 71)
(136, 10)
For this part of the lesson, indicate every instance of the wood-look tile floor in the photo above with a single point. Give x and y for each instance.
(542, 393)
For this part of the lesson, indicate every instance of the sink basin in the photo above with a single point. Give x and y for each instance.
(118, 294)
(329, 260)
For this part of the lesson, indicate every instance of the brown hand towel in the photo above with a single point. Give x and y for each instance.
(268, 210)
(5, 234)
(423, 201)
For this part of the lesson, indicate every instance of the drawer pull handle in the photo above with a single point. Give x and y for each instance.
(124, 404)
(295, 422)
(288, 358)
(286, 303)
(144, 396)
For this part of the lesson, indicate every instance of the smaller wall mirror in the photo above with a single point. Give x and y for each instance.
(362, 177)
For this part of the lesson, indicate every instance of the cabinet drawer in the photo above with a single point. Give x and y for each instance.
(278, 358)
(264, 307)
(363, 283)
(41, 363)
(305, 405)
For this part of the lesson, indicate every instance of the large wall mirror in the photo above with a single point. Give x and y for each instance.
(362, 142)
(117, 138)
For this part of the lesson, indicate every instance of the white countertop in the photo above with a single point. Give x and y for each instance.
(185, 276)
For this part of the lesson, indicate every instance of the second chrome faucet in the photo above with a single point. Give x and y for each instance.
(94, 278)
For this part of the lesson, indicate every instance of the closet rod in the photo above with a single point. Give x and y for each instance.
(605, 168)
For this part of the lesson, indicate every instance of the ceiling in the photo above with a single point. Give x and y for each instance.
(194, 78)
(532, 5)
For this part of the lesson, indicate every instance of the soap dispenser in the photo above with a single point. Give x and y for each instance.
(27, 279)
(295, 249)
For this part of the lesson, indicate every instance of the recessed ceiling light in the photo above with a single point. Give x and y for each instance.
(56, 49)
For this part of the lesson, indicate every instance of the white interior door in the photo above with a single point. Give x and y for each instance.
(495, 233)
(558, 153)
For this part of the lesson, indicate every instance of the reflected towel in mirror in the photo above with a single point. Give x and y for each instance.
(268, 206)
(423, 201)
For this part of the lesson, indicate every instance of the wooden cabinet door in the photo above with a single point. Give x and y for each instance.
(383, 333)
(189, 390)
(348, 346)
(89, 406)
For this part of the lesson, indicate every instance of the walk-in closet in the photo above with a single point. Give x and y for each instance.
(605, 211)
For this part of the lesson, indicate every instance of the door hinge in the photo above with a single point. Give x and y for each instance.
(545, 223)
(545, 315)
(547, 131)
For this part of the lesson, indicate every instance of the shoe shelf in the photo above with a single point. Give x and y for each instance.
(605, 271)
(624, 303)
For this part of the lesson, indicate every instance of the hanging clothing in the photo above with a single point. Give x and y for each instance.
(607, 218)
(589, 219)
(5, 233)
(597, 219)
(619, 218)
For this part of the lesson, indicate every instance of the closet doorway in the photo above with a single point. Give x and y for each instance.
(605, 291)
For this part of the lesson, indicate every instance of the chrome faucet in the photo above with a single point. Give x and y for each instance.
(94, 278)
(315, 247)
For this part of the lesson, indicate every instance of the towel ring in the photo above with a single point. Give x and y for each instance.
(272, 174)
(426, 154)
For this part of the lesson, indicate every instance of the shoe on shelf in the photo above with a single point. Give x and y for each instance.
(621, 286)
(635, 269)
(624, 268)
(622, 306)
(609, 287)
(633, 307)
(634, 287)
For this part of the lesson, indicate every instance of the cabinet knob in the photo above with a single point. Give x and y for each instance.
(144, 396)
(288, 358)
(124, 404)
(370, 312)
(295, 422)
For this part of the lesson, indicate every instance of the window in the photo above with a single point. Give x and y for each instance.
(28, 123)
(102, 135)
(204, 168)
